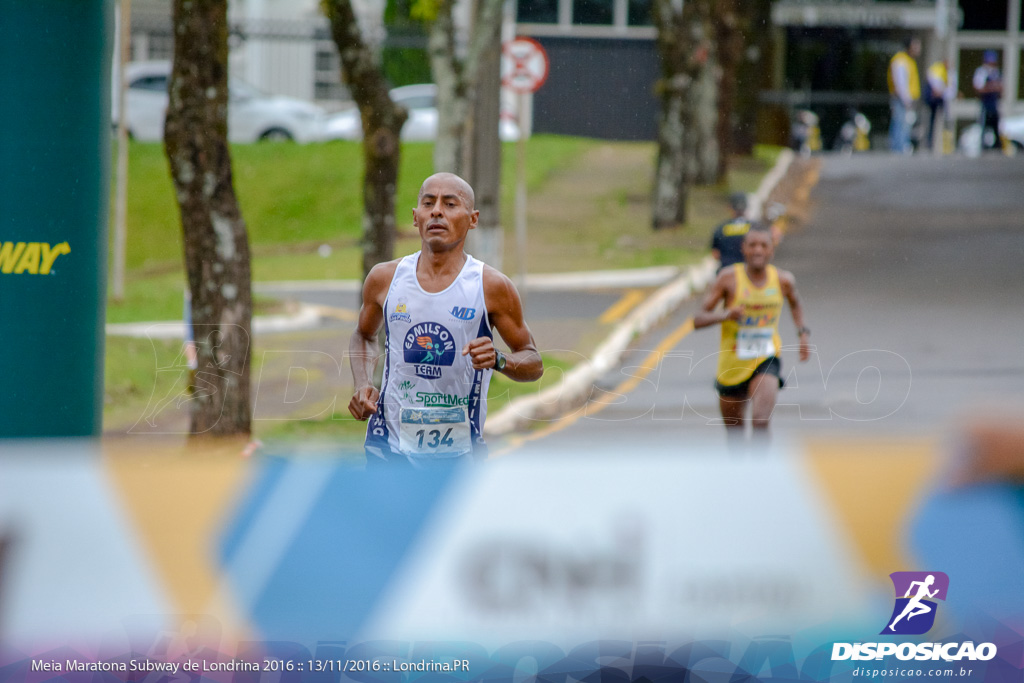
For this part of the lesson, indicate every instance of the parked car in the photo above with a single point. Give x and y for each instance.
(1012, 128)
(421, 126)
(252, 114)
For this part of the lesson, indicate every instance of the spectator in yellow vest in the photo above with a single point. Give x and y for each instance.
(904, 92)
(938, 93)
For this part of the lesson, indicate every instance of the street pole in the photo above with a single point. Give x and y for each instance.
(121, 195)
(521, 197)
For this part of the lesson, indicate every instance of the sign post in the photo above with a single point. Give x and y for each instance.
(524, 68)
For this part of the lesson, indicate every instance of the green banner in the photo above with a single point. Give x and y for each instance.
(55, 140)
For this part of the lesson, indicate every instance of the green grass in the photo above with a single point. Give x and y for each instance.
(294, 198)
(133, 374)
(297, 195)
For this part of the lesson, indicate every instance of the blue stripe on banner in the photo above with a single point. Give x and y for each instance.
(325, 565)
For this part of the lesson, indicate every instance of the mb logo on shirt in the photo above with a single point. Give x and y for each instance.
(428, 346)
(914, 612)
(463, 313)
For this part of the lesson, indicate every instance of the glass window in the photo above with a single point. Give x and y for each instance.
(537, 12)
(592, 11)
(984, 15)
(640, 13)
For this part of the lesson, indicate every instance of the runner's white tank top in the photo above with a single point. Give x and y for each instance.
(432, 402)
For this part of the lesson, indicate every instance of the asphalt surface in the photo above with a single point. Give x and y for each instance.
(910, 273)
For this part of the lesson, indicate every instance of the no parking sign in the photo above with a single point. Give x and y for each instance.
(524, 65)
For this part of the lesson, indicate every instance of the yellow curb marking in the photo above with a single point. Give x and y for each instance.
(620, 308)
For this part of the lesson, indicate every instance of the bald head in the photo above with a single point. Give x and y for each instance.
(453, 183)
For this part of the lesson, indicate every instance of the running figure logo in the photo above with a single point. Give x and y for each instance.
(914, 613)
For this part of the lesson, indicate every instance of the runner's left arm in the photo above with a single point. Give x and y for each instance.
(505, 309)
(788, 283)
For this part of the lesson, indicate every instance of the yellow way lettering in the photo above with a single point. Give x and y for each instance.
(50, 255)
(29, 259)
(10, 252)
(34, 258)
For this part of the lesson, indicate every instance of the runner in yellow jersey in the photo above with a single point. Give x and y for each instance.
(749, 369)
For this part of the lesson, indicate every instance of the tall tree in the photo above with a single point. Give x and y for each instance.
(456, 73)
(702, 148)
(215, 237)
(685, 46)
(731, 28)
(382, 125)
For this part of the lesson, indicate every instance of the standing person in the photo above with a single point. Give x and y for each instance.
(749, 369)
(988, 82)
(937, 95)
(904, 92)
(727, 240)
(438, 308)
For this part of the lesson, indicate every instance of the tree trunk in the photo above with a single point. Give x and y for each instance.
(730, 27)
(684, 48)
(703, 151)
(456, 78)
(216, 242)
(382, 125)
(670, 186)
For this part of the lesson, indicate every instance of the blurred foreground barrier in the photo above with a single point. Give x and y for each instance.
(671, 559)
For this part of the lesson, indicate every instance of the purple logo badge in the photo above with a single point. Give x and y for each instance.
(916, 593)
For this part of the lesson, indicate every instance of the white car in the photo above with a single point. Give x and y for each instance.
(421, 126)
(1012, 127)
(252, 114)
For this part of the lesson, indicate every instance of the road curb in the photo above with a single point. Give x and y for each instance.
(306, 318)
(575, 388)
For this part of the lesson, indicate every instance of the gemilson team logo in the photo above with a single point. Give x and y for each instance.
(913, 614)
(428, 346)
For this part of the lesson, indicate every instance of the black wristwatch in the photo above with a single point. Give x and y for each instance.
(499, 361)
(804, 330)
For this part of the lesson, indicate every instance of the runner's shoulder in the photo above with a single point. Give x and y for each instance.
(499, 290)
(378, 280)
(727, 275)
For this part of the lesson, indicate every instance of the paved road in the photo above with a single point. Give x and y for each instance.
(910, 271)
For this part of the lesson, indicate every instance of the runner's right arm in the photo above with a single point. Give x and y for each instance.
(719, 292)
(362, 348)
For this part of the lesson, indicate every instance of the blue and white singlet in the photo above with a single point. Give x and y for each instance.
(432, 402)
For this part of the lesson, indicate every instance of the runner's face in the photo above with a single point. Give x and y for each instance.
(757, 249)
(442, 215)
